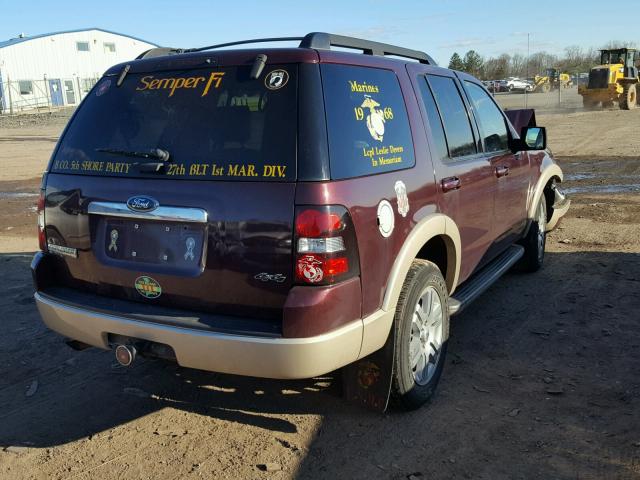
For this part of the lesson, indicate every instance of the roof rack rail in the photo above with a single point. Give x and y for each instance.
(324, 41)
(243, 42)
(159, 52)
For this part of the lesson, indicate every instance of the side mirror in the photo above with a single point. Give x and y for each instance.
(533, 138)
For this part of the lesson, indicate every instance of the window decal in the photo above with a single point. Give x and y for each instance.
(369, 129)
(276, 79)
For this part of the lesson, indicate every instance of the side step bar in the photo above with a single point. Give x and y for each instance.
(482, 280)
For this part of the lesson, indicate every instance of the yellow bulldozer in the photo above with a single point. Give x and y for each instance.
(552, 79)
(614, 80)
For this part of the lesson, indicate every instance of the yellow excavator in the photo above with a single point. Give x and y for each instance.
(614, 80)
(552, 79)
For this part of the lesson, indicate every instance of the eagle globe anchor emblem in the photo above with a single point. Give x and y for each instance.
(375, 118)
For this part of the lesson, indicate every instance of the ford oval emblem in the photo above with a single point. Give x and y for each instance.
(140, 203)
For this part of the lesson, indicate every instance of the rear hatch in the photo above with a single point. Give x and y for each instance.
(176, 188)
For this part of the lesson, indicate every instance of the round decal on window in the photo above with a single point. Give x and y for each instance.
(103, 87)
(276, 79)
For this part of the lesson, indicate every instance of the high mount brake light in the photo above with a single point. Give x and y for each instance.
(42, 238)
(326, 245)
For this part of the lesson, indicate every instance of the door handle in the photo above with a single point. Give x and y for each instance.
(502, 171)
(450, 183)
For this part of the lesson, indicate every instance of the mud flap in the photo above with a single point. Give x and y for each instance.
(367, 382)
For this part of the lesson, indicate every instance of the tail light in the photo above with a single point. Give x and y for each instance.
(326, 249)
(42, 238)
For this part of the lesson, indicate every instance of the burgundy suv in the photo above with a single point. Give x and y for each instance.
(288, 212)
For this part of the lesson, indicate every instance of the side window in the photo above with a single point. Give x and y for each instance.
(454, 116)
(492, 124)
(435, 122)
(367, 122)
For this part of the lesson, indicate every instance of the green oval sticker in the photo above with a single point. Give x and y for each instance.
(148, 287)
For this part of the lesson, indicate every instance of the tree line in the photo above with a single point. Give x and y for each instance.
(574, 60)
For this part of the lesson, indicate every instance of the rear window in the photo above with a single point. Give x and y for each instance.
(367, 121)
(216, 124)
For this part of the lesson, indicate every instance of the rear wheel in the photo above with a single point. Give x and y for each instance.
(628, 99)
(535, 240)
(422, 331)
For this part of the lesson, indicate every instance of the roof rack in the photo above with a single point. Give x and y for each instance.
(159, 52)
(322, 41)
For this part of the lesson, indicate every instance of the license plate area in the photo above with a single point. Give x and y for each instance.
(152, 245)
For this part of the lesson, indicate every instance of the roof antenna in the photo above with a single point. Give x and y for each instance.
(258, 66)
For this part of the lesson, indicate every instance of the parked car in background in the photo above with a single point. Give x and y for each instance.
(496, 86)
(517, 84)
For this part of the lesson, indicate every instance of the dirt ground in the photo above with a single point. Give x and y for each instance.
(543, 384)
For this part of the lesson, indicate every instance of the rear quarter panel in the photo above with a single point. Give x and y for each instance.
(363, 194)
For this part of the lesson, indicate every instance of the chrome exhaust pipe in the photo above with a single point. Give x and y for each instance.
(125, 354)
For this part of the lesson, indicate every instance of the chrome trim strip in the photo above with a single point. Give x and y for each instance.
(169, 214)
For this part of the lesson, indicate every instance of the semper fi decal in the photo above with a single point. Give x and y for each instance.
(172, 84)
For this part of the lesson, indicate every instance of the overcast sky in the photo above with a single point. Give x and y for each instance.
(438, 27)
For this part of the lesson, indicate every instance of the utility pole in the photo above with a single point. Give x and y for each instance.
(527, 77)
(10, 100)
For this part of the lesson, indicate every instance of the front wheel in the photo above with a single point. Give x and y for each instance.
(535, 240)
(422, 331)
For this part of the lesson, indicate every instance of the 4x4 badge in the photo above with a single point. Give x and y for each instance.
(148, 287)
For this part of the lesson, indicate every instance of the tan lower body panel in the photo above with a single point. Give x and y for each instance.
(286, 358)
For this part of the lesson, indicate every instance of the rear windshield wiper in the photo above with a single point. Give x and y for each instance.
(156, 153)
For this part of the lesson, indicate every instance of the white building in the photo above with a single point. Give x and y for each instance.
(57, 69)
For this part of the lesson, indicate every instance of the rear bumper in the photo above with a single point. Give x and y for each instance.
(285, 358)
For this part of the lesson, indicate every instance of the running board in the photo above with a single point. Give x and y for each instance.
(482, 280)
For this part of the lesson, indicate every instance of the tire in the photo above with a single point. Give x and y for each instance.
(421, 340)
(546, 88)
(628, 99)
(535, 240)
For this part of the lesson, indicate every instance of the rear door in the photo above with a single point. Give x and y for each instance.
(177, 188)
